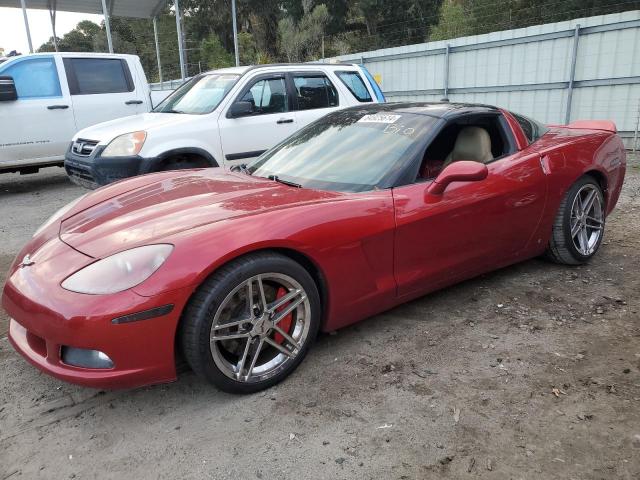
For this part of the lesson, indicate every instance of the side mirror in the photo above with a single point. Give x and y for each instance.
(240, 109)
(8, 92)
(460, 171)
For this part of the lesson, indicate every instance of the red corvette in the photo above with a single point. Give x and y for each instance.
(362, 210)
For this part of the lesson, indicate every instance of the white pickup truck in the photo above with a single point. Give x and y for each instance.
(222, 117)
(45, 98)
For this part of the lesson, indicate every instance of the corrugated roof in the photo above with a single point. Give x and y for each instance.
(119, 8)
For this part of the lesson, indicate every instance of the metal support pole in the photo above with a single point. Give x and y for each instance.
(322, 49)
(176, 4)
(446, 72)
(52, 15)
(235, 32)
(635, 134)
(26, 25)
(107, 26)
(572, 74)
(155, 37)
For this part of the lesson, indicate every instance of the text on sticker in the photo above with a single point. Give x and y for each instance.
(379, 118)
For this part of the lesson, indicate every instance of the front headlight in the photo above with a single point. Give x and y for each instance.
(118, 272)
(58, 214)
(125, 145)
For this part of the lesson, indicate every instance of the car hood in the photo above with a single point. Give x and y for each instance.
(120, 217)
(106, 131)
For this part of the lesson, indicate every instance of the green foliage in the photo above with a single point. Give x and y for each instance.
(453, 22)
(247, 48)
(301, 41)
(214, 54)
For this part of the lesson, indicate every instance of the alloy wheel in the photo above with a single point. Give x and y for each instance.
(260, 327)
(587, 219)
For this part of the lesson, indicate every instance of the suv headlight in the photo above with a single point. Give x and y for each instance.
(118, 272)
(125, 145)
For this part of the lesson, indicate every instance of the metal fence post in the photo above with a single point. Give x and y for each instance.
(572, 74)
(235, 32)
(635, 133)
(446, 71)
(176, 4)
(107, 25)
(155, 36)
(26, 25)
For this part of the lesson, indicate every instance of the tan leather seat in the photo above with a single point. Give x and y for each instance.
(472, 143)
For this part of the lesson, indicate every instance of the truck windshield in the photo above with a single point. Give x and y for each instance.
(201, 94)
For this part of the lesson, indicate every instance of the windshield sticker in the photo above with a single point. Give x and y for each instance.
(379, 118)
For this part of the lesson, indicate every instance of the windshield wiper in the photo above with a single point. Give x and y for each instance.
(285, 182)
(241, 168)
(171, 111)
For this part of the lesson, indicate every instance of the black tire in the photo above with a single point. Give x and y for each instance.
(561, 248)
(198, 316)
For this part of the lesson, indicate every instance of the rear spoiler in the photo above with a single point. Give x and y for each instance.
(605, 125)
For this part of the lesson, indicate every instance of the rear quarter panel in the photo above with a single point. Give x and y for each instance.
(569, 154)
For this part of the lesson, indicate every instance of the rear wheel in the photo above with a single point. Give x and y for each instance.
(251, 323)
(579, 225)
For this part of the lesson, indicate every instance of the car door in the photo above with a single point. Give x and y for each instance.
(314, 96)
(38, 126)
(473, 227)
(102, 89)
(270, 121)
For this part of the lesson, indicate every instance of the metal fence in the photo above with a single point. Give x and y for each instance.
(587, 68)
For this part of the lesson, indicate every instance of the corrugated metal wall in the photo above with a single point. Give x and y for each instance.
(527, 70)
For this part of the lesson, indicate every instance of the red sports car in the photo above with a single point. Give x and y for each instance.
(360, 211)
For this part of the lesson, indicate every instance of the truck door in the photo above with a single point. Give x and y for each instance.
(103, 89)
(38, 126)
(270, 120)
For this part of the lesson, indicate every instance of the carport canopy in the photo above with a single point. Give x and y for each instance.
(108, 8)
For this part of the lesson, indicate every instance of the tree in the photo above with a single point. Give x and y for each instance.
(301, 41)
(453, 22)
(214, 54)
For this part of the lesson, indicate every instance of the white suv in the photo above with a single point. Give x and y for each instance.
(218, 118)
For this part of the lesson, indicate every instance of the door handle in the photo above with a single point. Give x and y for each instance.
(133, 102)
(57, 107)
(285, 120)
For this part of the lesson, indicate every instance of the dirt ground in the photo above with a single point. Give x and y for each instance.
(458, 384)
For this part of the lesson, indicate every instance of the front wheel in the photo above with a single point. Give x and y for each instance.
(251, 323)
(579, 225)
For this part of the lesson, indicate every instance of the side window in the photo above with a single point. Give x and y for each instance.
(35, 78)
(532, 129)
(88, 76)
(482, 138)
(526, 126)
(353, 81)
(268, 95)
(314, 91)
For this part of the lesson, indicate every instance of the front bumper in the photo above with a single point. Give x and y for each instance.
(45, 317)
(94, 171)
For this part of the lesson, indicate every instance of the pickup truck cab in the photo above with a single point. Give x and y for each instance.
(46, 98)
(221, 117)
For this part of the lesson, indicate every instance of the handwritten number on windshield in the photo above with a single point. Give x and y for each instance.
(399, 130)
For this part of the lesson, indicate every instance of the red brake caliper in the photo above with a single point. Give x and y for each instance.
(285, 323)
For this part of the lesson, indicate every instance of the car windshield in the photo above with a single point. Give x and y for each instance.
(349, 151)
(201, 94)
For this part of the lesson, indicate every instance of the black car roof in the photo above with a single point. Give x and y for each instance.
(432, 109)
